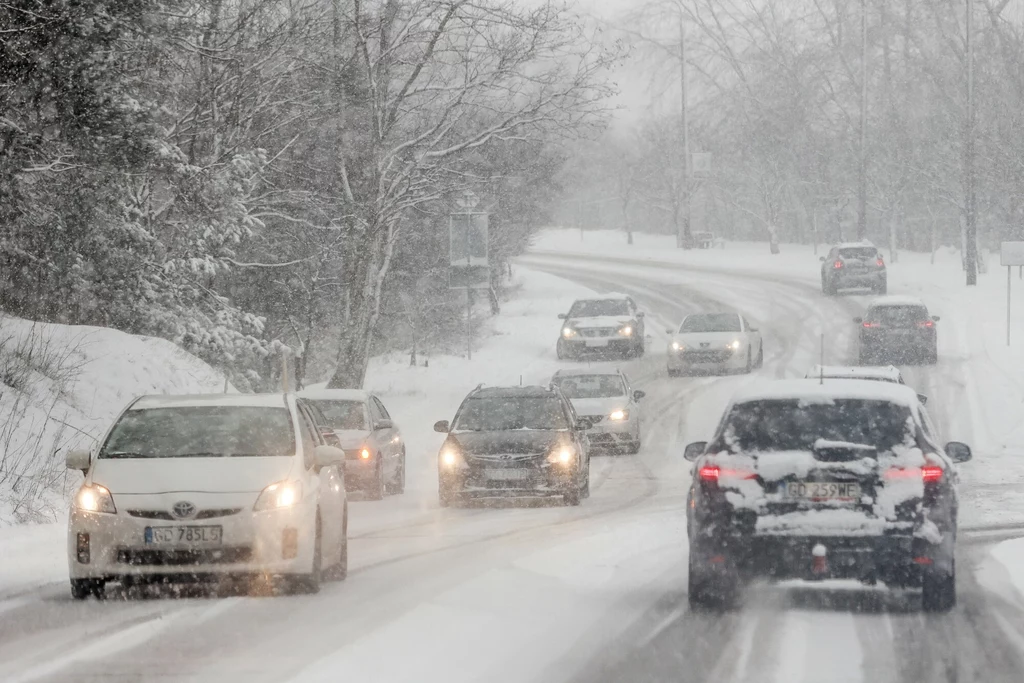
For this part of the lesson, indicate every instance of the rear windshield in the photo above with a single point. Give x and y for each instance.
(201, 432)
(898, 315)
(495, 414)
(861, 253)
(343, 414)
(592, 386)
(590, 308)
(794, 425)
(711, 322)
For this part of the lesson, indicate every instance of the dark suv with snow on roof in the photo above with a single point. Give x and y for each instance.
(853, 266)
(898, 327)
(841, 479)
(514, 442)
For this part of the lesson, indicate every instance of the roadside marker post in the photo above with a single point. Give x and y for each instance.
(1010, 254)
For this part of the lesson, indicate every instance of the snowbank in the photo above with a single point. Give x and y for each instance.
(60, 386)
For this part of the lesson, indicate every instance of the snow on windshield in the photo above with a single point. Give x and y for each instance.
(592, 386)
(493, 414)
(713, 322)
(599, 307)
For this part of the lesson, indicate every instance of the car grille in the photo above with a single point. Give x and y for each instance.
(212, 513)
(598, 332)
(710, 356)
(183, 557)
(498, 460)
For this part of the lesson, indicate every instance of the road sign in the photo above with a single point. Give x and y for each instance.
(1011, 254)
(700, 164)
(467, 200)
(468, 238)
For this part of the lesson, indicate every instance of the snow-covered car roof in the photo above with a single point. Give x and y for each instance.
(813, 390)
(897, 300)
(888, 372)
(855, 245)
(194, 400)
(577, 372)
(615, 296)
(334, 394)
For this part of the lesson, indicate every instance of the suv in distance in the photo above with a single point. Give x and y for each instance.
(898, 327)
(514, 442)
(609, 324)
(853, 265)
(842, 480)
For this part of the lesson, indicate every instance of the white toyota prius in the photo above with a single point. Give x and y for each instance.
(187, 488)
(714, 342)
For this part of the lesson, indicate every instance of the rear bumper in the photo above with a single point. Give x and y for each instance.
(844, 280)
(894, 559)
(915, 341)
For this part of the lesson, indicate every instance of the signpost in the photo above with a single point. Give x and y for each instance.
(469, 268)
(1010, 254)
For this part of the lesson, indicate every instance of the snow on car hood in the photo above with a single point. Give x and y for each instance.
(598, 406)
(599, 321)
(201, 475)
(352, 439)
(510, 441)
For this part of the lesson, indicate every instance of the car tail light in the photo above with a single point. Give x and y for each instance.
(931, 473)
(837, 265)
(868, 323)
(880, 263)
(82, 550)
(926, 323)
(712, 473)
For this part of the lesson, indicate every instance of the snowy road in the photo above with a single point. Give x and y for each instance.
(551, 593)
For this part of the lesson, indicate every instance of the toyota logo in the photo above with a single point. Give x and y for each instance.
(183, 509)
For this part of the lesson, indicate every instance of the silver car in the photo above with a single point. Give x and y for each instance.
(605, 399)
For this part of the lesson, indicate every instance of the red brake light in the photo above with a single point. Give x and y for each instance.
(709, 473)
(931, 473)
(837, 265)
(714, 473)
(926, 323)
(879, 262)
(868, 323)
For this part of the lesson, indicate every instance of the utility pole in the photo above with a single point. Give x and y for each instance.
(685, 239)
(971, 227)
(862, 170)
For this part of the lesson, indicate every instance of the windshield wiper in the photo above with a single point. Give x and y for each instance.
(124, 454)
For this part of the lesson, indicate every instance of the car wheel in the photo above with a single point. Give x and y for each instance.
(445, 496)
(709, 590)
(398, 483)
(882, 288)
(376, 489)
(560, 349)
(933, 356)
(83, 588)
(308, 584)
(585, 491)
(750, 362)
(938, 591)
(760, 355)
(573, 495)
(634, 446)
(339, 571)
(673, 373)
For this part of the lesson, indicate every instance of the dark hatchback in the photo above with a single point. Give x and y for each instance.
(514, 442)
(895, 329)
(837, 480)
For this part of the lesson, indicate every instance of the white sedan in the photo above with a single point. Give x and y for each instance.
(186, 488)
(714, 342)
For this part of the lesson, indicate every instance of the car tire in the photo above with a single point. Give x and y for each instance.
(933, 356)
(882, 288)
(309, 584)
(760, 356)
(633, 447)
(585, 490)
(398, 484)
(938, 591)
(83, 588)
(750, 362)
(339, 571)
(376, 489)
(445, 496)
(673, 373)
(564, 352)
(573, 496)
(708, 591)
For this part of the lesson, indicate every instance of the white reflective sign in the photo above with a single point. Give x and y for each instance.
(1011, 254)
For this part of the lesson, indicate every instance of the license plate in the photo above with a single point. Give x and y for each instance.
(509, 475)
(173, 535)
(597, 343)
(823, 490)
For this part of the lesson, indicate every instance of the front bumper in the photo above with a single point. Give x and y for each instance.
(598, 345)
(272, 542)
(710, 360)
(508, 482)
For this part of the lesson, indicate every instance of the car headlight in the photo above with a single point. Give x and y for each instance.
(95, 498)
(626, 331)
(568, 332)
(676, 346)
(562, 455)
(619, 415)
(450, 458)
(735, 345)
(283, 494)
(365, 453)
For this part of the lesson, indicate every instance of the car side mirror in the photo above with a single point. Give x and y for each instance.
(858, 320)
(935, 318)
(78, 459)
(383, 424)
(959, 452)
(639, 314)
(327, 456)
(562, 316)
(695, 450)
(330, 438)
(751, 329)
(638, 394)
(583, 424)
(922, 398)
(821, 258)
(442, 426)
(670, 331)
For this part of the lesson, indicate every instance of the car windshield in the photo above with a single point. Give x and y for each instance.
(499, 413)
(343, 414)
(201, 431)
(592, 308)
(859, 253)
(795, 425)
(591, 386)
(711, 322)
(898, 315)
